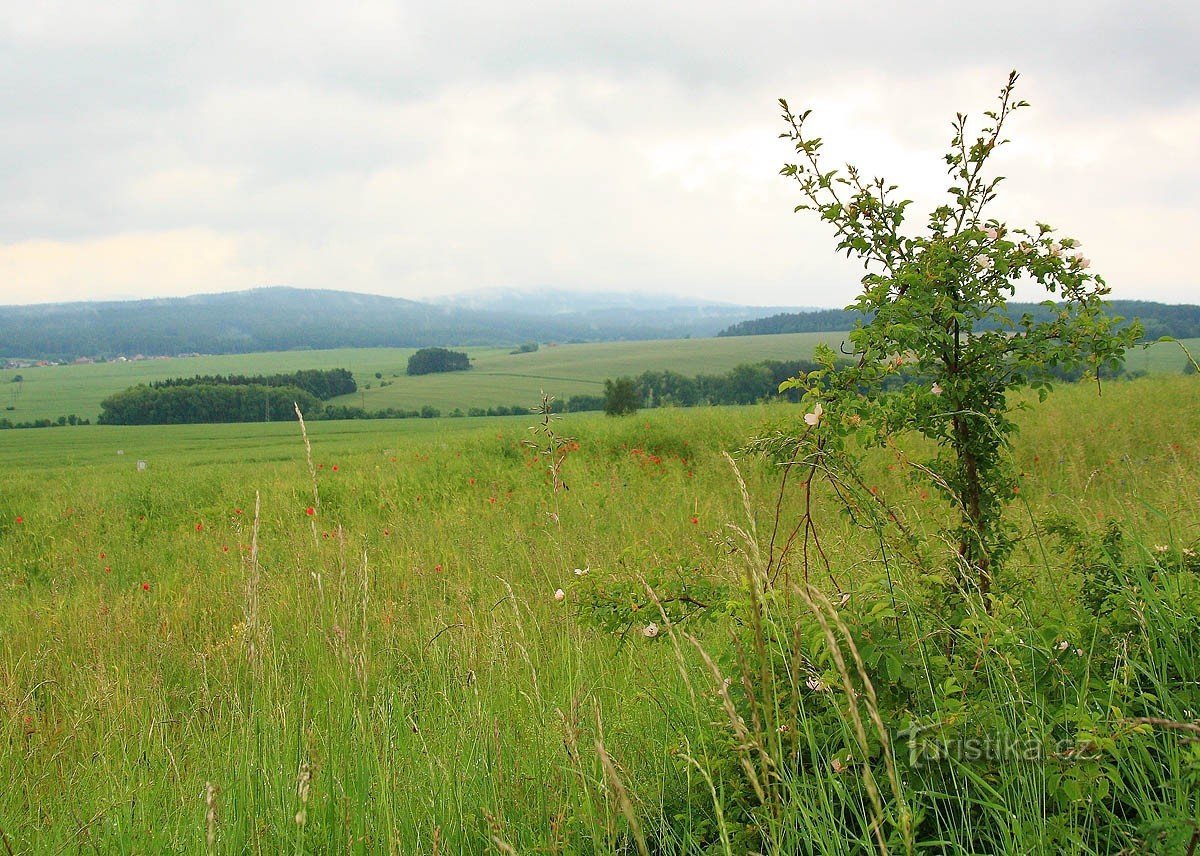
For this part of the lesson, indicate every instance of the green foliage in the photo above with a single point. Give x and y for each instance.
(620, 397)
(431, 360)
(321, 383)
(937, 304)
(194, 403)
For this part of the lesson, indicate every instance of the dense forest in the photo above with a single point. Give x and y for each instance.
(177, 405)
(225, 398)
(322, 383)
(1159, 319)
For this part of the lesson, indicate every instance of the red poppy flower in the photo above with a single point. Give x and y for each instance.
(145, 586)
(310, 511)
(199, 527)
(20, 519)
(335, 469)
(437, 568)
(695, 519)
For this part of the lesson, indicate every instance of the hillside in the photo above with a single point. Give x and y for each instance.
(498, 376)
(1160, 319)
(281, 319)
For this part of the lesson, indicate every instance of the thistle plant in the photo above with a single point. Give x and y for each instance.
(938, 353)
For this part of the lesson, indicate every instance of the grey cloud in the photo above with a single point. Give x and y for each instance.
(280, 122)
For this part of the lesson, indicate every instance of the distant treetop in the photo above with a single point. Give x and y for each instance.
(430, 360)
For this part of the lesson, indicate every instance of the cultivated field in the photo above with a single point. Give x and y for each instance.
(379, 662)
(497, 378)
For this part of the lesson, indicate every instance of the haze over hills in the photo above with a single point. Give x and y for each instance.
(281, 318)
(1180, 321)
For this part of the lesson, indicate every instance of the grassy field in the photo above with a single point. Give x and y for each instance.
(497, 378)
(380, 663)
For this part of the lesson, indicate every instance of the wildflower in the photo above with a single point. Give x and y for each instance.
(1078, 652)
(145, 586)
(817, 685)
(582, 572)
(984, 262)
(560, 595)
(1056, 249)
(310, 511)
(695, 519)
(20, 519)
(1080, 261)
(199, 527)
(1064, 645)
(936, 389)
(814, 418)
(992, 234)
(1160, 548)
(237, 511)
(437, 568)
(650, 630)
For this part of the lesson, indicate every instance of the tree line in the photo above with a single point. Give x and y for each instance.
(322, 383)
(1158, 319)
(197, 403)
(196, 400)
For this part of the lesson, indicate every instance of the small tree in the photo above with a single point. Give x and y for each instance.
(936, 314)
(620, 396)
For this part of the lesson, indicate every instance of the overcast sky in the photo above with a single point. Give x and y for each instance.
(422, 148)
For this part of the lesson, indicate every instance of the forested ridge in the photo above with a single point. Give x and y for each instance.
(1181, 321)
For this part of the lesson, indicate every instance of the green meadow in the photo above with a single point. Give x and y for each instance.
(497, 378)
(232, 652)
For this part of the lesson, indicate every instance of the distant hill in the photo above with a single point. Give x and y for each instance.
(1160, 319)
(281, 319)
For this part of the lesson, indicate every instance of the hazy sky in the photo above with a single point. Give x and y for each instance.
(422, 148)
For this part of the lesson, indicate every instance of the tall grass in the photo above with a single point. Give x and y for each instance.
(186, 668)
